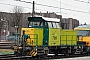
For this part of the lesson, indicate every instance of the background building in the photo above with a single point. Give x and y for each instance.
(66, 23)
(69, 23)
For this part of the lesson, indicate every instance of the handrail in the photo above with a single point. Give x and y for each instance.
(35, 38)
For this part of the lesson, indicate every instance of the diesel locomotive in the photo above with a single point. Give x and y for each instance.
(84, 36)
(44, 36)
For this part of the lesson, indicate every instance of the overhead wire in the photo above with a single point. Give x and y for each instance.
(61, 8)
(48, 6)
(82, 1)
(68, 4)
(15, 5)
(20, 6)
(88, 6)
(35, 9)
(56, 7)
(65, 13)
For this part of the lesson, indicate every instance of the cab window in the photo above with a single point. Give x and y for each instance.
(50, 25)
(54, 25)
(84, 32)
(35, 23)
(57, 24)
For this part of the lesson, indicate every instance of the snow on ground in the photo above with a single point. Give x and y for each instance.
(76, 58)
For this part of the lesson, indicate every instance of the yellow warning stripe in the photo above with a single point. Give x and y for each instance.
(33, 53)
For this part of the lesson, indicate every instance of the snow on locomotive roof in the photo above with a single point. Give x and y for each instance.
(84, 26)
(49, 19)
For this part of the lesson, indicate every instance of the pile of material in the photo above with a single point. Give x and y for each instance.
(5, 47)
(6, 51)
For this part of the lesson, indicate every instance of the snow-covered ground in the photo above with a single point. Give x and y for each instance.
(78, 58)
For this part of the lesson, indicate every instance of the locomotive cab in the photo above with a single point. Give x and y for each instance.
(43, 22)
(42, 28)
(36, 22)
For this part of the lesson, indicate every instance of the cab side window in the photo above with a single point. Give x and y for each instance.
(50, 25)
(54, 25)
(57, 24)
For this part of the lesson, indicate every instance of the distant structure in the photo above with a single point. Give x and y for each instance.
(69, 23)
(85, 23)
(65, 23)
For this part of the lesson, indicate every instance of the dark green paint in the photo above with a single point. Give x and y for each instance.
(35, 19)
(46, 36)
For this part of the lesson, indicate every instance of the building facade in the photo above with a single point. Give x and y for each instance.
(69, 23)
(65, 23)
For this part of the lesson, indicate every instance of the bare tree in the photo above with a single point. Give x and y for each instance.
(2, 16)
(17, 17)
(1, 24)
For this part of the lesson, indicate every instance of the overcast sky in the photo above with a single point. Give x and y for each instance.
(67, 4)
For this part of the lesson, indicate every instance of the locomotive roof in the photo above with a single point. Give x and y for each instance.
(43, 18)
(83, 26)
(51, 19)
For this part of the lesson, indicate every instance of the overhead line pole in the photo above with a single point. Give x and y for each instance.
(60, 14)
(55, 7)
(33, 9)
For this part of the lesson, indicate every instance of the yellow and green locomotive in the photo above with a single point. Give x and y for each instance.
(44, 36)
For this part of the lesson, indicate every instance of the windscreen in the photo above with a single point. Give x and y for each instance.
(35, 23)
(84, 32)
(53, 25)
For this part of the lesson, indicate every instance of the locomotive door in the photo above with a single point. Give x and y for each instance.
(54, 34)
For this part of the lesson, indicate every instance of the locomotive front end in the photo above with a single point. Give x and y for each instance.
(31, 37)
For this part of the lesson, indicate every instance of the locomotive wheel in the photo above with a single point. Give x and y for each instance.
(17, 54)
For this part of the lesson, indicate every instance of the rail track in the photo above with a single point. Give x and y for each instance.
(6, 46)
(13, 57)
